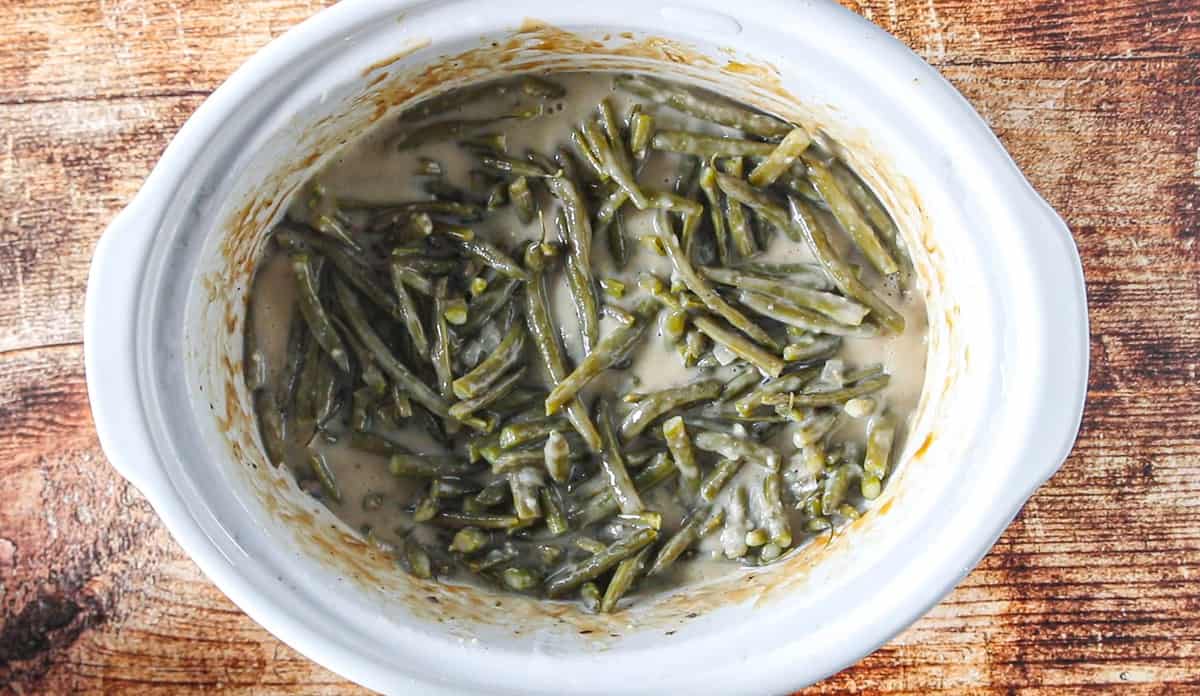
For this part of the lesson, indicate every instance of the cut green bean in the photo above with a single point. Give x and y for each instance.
(652, 406)
(765, 361)
(613, 349)
(835, 307)
(801, 317)
(781, 158)
(847, 214)
(498, 390)
(716, 479)
(491, 255)
(708, 146)
(383, 357)
(732, 447)
(545, 338)
(572, 575)
(703, 290)
(831, 397)
(881, 432)
(622, 580)
(426, 466)
(487, 372)
(325, 477)
(713, 109)
(809, 229)
(314, 313)
(612, 463)
(741, 233)
(680, 445)
(557, 452)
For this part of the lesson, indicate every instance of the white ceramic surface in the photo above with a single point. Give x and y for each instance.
(1004, 392)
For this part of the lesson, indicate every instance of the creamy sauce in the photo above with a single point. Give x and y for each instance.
(374, 170)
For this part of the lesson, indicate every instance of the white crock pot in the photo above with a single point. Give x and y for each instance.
(1004, 390)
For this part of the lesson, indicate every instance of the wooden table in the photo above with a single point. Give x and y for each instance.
(1096, 586)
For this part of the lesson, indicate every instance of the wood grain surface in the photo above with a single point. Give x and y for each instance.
(1095, 586)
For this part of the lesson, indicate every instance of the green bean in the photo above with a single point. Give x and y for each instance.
(801, 317)
(513, 166)
(589, 155)
(314, 313)
(708, 184)
(556, 519)
(708, 146)
(680, 445)
(545, 338)
(458, 520)
(427, 466)
(524, 484)
(712, 109)
(851, 219)
(451, 129)
(740, 230)
(612, 350)
(326, 392)
(654, 405)
(703, 290)
(576, 229)
(489, 91)
(817, 425)
(351, 266)
(771, 513)
(792, 382)
(781, 158)
(732, 447)
(831, 397)
(837, 484)
(678, 543)
(504, 461)
(589, 595)
(606, 212)
(834, 306)
(271, 427)
(481, 309)
(293, 361)
(817, 347)
(419, 563)
(483, 375)
(877, 215)
(464, 409)
(522, 199)
(408, 310)
(807, 226)
(768, 363)
(622, 580)
(641, 131)
(557, 453)
(469, 540)
(324, 475)
(407, 276)
(881, 432)
(519, 579)
(716, 479)
(533, 430)
(494, 257)
(613, 464)
(739, 385)
(439, 351)
(305, 409)
(612, 164)
(447, 211)
(804, 274)
(573, 575)
(604, 504)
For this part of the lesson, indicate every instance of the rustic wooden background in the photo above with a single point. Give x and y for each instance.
(1096, 586)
